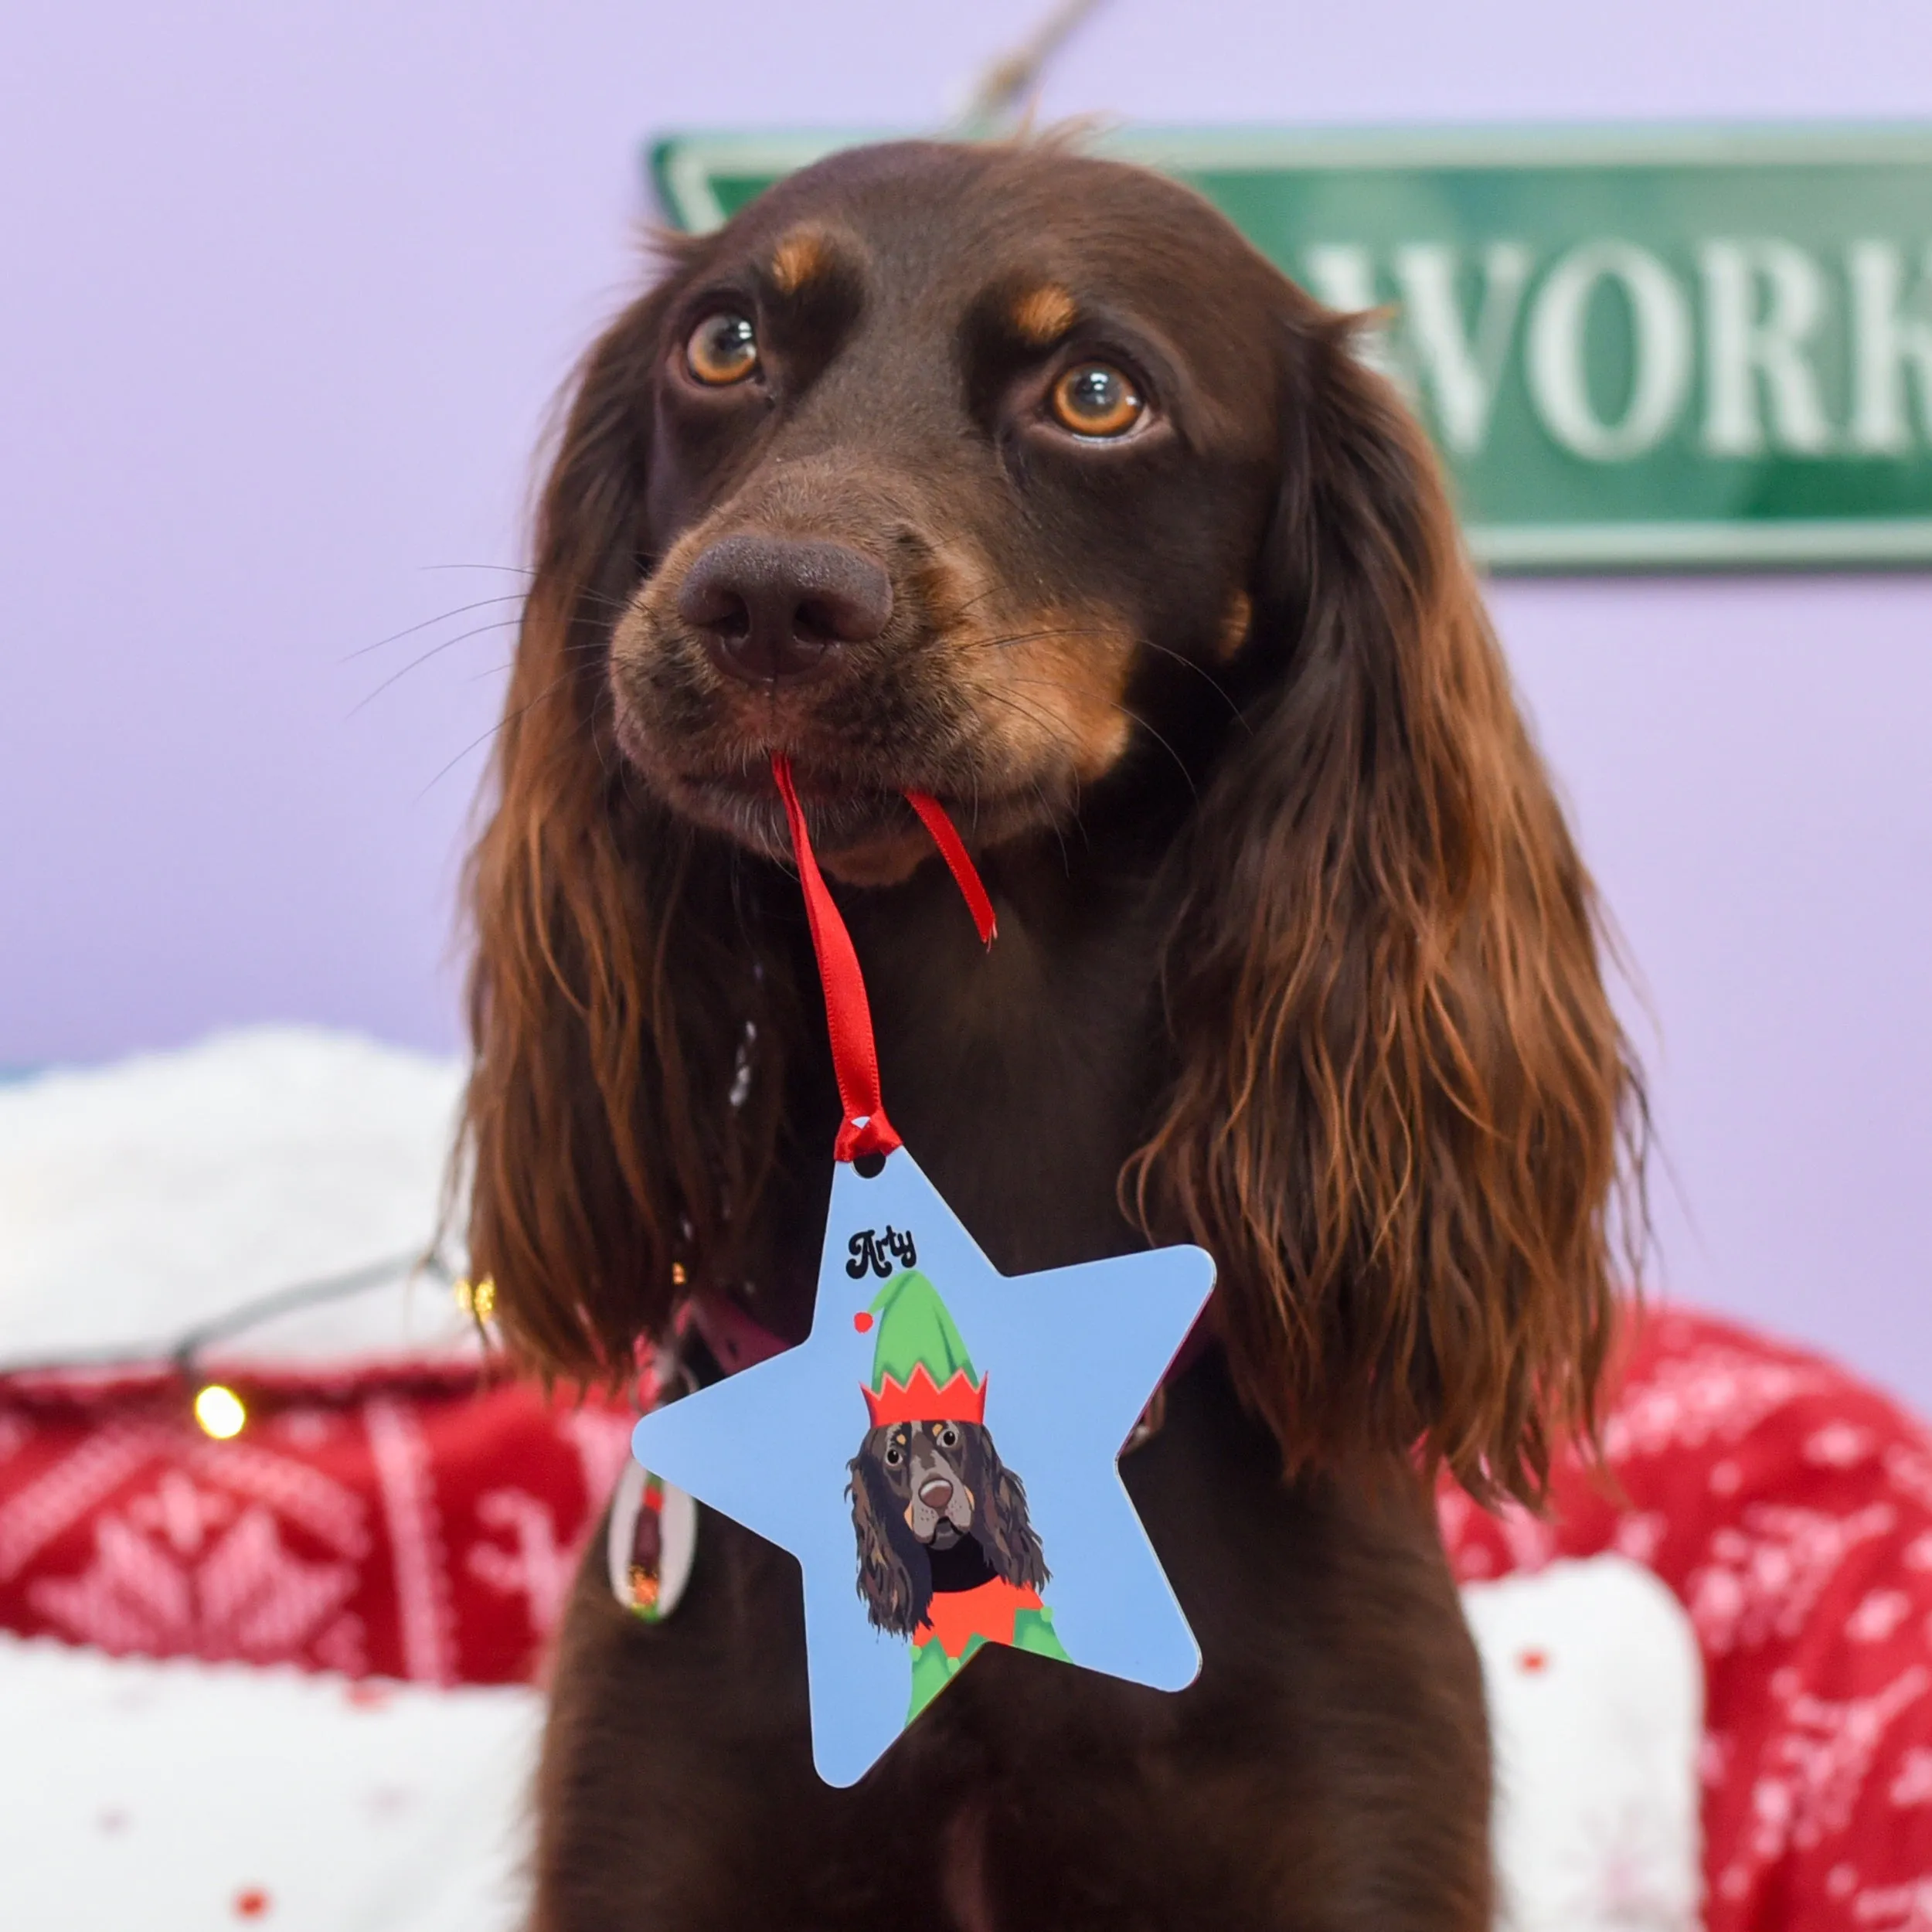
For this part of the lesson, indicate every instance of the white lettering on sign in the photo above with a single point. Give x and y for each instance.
(1780, 335)
(1888, 345)
(1764, 302)
(1663, 361)
(1461, 376)
(1342, 275)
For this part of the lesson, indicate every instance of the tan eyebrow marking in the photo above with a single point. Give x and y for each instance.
(803, 254)
(1043, 315)
(1234, 625)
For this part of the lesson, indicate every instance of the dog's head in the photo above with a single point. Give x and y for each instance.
(944, 448)
(1016, 476)
(919, 1487)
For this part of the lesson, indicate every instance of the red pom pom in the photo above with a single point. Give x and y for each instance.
(862, 1321)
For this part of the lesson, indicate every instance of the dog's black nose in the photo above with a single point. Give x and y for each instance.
(776, 608)
(936, 1493)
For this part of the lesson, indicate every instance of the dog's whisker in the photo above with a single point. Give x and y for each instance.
(1142, 643)
(1053, 826)
(1037, 786)
(589, 648)
(1055, 726)
(509, 718)
(1180, 764)
(1006, 643)
(448, 643)
(1133, 717)
(959, 609)
(604, 600)
(1204, 675)
(461, 610)
(615, 605)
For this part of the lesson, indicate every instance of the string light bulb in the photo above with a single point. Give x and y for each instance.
(476, 1298)
(220, 1412)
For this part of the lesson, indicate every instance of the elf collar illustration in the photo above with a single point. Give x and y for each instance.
(940, 1497)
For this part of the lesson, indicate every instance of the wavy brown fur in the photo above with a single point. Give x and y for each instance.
(1402, 1095)
(608, 1002)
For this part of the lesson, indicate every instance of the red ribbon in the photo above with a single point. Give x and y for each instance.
(855, 1056)
(953, 850)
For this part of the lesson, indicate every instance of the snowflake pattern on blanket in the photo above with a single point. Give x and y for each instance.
(408, 1530)
(398, 1528)
(1789, 1507)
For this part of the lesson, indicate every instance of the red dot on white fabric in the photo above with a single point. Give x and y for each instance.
(1532, 1662)
(251, 1904)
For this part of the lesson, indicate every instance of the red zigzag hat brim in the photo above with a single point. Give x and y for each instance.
(922, 1399)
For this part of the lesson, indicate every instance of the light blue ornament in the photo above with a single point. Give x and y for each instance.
(941, 1456)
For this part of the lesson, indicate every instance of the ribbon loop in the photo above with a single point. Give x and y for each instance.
(855, 1054)
(952, 848)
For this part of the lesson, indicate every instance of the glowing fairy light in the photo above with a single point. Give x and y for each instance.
(219, 1412)
(476, 1298)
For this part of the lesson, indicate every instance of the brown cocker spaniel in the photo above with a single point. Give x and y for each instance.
(934, 1510)
(1018, 478)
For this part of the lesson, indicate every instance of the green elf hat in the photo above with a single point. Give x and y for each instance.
(920, 1370)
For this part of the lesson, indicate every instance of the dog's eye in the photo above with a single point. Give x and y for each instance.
(1094, 399)
(723, 348)
(894, 1455)
(949, 1437)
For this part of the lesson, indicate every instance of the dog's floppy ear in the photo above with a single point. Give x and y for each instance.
(611, 983)
(1014, 1550)
(1403, 1095)
(895, 1573)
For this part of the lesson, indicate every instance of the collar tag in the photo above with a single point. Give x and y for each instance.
(650, 1541)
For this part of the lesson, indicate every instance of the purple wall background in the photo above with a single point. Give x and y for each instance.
(288, 291)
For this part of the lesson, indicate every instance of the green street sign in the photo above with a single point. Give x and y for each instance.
(1655, 349)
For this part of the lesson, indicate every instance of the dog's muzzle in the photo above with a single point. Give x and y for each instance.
(938, 1496)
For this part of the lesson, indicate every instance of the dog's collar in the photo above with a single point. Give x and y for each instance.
(733, 1338)
(651, 1533)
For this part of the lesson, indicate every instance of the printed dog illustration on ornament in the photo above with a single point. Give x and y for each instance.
(947, 1555)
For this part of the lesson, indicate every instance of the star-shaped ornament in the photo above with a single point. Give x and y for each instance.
(941, 1456)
